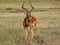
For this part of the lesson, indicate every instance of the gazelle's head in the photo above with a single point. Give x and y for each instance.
(28, 13)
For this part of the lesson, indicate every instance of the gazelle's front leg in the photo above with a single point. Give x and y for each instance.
(26, 32)
(29, 29)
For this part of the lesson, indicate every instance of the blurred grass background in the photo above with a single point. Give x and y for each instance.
(17, 1)
(48, 23)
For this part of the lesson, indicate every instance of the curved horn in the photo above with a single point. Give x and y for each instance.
(32, 7)
(23, 7)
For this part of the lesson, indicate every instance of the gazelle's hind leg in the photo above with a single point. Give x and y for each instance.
(34, 30)
(34, 27)
(32, 33)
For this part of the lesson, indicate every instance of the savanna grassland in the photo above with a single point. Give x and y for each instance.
(48, 23)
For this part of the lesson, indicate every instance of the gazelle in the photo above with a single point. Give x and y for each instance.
(29, 22)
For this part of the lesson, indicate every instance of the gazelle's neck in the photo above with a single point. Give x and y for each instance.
(28, 14)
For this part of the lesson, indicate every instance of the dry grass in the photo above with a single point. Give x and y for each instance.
(48, 28)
